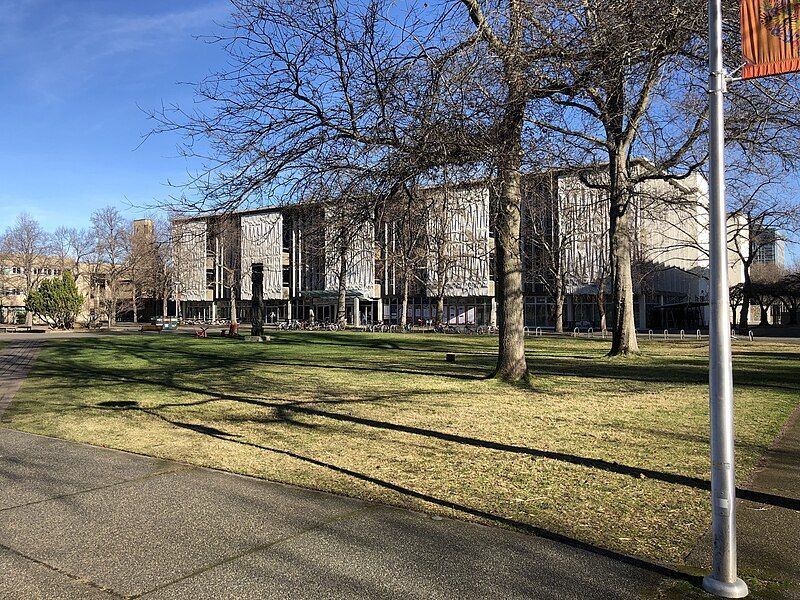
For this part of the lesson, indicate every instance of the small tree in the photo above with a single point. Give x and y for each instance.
(57, 301)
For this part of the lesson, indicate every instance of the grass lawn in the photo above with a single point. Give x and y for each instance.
(609, 452)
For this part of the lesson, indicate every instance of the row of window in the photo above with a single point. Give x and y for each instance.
(35, 271)
(13, 292)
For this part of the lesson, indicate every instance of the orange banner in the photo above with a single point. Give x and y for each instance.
(770, 37)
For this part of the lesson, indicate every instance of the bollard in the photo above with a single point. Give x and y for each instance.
(683, 334)
(575, 332)
(666, 334)
(750, 335)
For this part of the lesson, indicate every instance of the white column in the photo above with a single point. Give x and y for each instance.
(288, 310)
(213, 311)
(379, 314)
(356, 311)
(493, 313)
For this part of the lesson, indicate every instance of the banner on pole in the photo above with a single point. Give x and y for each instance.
(770, 37)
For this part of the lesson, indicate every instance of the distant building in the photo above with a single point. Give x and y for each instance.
(14, 292)
(213, 258)
(769, 247)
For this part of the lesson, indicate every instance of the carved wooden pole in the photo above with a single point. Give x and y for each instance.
(257, 301)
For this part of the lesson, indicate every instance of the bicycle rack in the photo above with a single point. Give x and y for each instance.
(683, 335)
(699, 335)
(590, 332)
(650, 334)
(750, 335)
(538, 332)
(666, 334)
(575, 332)
(733, 334)
(526, 331)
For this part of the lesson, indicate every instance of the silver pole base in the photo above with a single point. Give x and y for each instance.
(724, 589)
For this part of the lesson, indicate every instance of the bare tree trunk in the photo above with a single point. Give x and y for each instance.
(558, 311)
(341, 301)
(135, 308)
(744, 315)
(764, 315)
(624, 339)
(511, 363)
(601, 305)
(112, 307)
(29, 284)
(439, 309)
(404, 313)
(234, 317)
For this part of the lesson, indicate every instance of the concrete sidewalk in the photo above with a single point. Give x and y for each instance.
(768, 532)
(83, 522)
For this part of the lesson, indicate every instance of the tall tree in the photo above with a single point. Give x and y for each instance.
(28, 246)
(630, 65)
(112, 239)
(322, 87)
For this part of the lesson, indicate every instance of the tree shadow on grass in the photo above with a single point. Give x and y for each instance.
(284, 409)
(663, 570)
(472, 367)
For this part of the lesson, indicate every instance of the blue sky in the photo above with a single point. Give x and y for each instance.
(73, 75)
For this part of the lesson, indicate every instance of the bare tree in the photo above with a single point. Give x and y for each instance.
(630, 67)
(164, 269)
(111, 235)
(28, 246)
(226, 229)
(320, 87)
(637, 90)
(404, 220)
(790, 292)
(761, 215)
(765, 287)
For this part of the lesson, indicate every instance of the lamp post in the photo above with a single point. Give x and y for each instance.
(723, 580)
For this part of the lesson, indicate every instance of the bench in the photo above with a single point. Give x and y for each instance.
(155, 328)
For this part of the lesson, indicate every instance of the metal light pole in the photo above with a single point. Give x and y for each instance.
(723, 580)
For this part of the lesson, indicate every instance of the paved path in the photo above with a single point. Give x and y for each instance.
(83, 522)
(768, 532)
(16, 360)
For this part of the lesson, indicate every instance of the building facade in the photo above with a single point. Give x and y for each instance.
(436, 255)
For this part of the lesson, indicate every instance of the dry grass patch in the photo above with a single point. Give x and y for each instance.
(384, 417)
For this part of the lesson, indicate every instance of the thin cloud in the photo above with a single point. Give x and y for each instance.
(70, 48)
